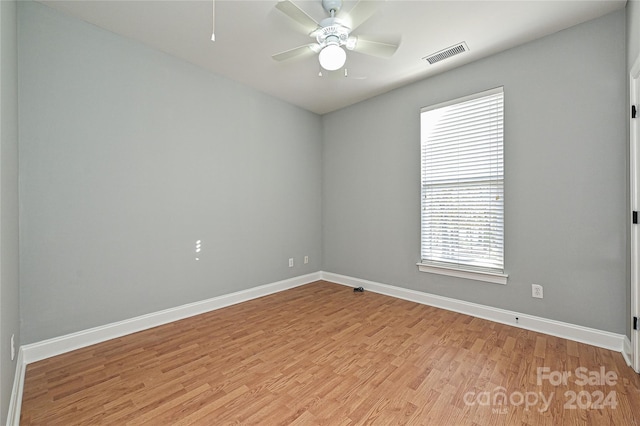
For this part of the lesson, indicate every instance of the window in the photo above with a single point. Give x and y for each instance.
(462, 229)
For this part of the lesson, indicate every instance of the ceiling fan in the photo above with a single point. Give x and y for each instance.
(333, 33)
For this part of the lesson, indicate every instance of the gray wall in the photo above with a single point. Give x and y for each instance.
(127, 157)
(9, 267)
(565, 195)
(633, 32)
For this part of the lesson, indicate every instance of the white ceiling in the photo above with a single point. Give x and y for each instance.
(249, 32)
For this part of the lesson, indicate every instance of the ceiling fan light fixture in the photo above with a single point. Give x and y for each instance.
(332, 57)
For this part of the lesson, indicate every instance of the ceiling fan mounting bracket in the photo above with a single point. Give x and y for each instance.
(332, 6)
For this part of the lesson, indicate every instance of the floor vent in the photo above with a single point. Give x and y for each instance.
(447, 53)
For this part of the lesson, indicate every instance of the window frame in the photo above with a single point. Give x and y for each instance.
(461, 270)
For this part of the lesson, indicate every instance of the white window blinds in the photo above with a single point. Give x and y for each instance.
(463, 183)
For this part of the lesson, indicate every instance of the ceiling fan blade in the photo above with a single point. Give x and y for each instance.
(381, 49)
(297, 52)
(300, 16)
(362, 11)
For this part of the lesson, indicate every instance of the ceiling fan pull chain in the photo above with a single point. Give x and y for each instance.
(213, 20)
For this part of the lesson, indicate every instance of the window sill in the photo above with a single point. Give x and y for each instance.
(490, 277)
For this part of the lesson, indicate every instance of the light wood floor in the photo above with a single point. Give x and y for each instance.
(322, 354)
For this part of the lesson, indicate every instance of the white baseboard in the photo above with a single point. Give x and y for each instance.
(15, 403)
(626, 351)
(591, 336)
(58, 345)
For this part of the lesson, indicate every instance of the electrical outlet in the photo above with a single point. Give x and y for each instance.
(291, 262)
(198, 249)
(306, 260)
(536, 291)
(13, 346)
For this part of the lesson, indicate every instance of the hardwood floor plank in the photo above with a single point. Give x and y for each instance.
(321, 354)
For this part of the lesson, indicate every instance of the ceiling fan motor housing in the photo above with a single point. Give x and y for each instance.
(332, 32)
